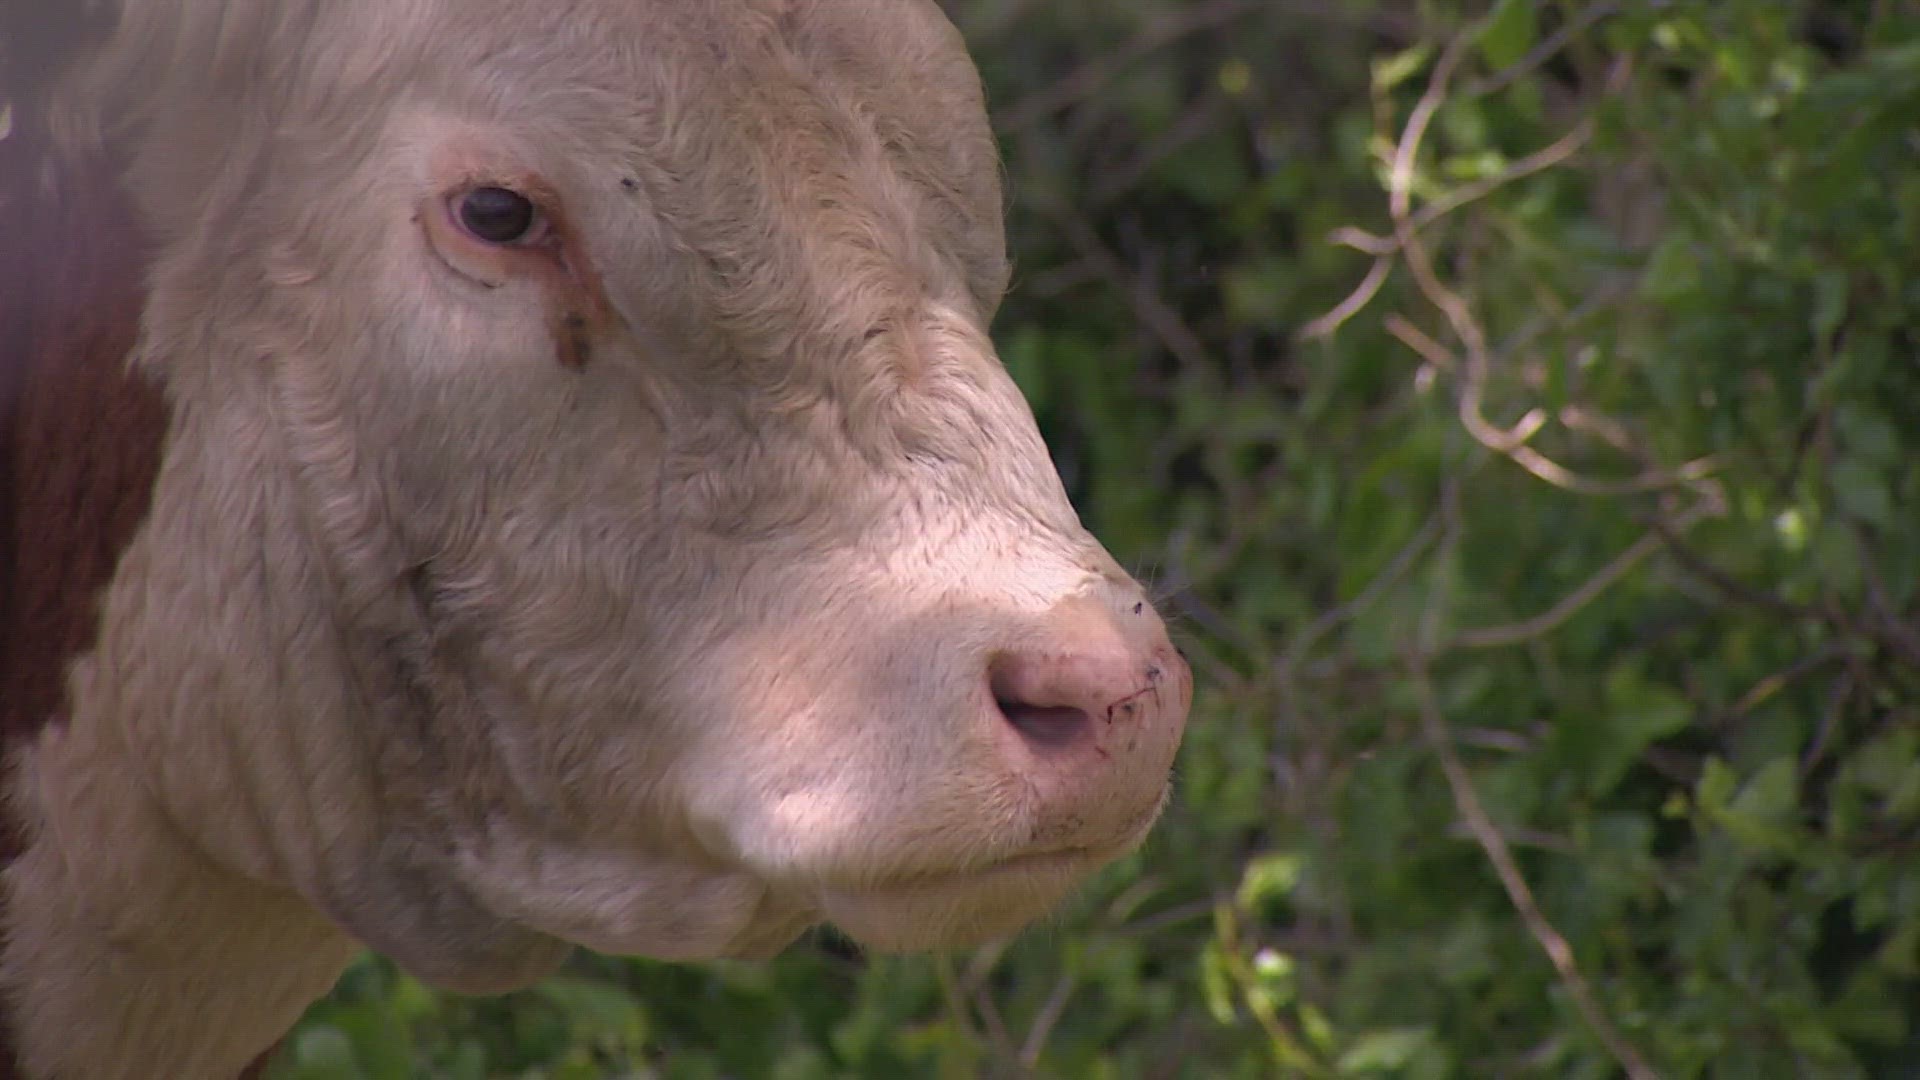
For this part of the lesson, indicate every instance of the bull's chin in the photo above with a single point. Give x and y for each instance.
(960, 909)
(975, 905)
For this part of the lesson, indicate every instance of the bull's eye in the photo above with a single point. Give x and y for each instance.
(497, 215)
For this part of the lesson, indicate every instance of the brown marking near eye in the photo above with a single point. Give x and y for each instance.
(577, 298)
(556, 260)
(570, 341)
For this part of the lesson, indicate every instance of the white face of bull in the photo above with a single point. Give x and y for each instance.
(617, 527)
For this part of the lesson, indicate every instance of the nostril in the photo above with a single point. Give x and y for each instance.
(1025, 689)
(1045, 725)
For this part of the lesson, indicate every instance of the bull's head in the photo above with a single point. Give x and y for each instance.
(593, 511)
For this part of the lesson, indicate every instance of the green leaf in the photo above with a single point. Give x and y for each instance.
(1216, 985)
(1636, 715)
(1762, 815)
(1868, 434)
(1772, 794)
(324, 1052)
(1384, 1050)
(1862, 490)
(1316, 1027)
(1400, 67)
(1716, 785)
(1274, 975)
(1830, 294)
(1509, 32)
(1268, 878)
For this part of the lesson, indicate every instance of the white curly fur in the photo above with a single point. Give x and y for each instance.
(438, 643)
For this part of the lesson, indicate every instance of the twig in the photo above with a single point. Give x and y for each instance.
(1544, 51)
(954, 998)
(1473, 372)
(1613, 288)
(1421, 342)
(1892, 629)
(1554, 153)
(1467, 801)
(1653, 479)
(1359, 298)
(1289, 1049)
(1384, 248)
(1545, 841)
(1045, 1019)
(984, 25)
(1837, 698)
(966, 998)
(1154, 313)
(1568, 606)
(998, 1037)
(1511, 443)
(1195, 122)
(1398, 190)
(1773, 683)
(1395, 568)
(1733, 588)
(1086, 80)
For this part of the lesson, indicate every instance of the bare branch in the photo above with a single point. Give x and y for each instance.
(1355, 302)
(1043, 1022)
(1153, 312)
(1467, 802)
(1087, 79)
(1776, 681)
(1568, 606)
(1733, 588)
(1544, 51)
(1389, 574)
(1890, 627)
(1837, 697)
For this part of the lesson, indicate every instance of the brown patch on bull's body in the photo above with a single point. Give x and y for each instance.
(80, 437)
(81, 433)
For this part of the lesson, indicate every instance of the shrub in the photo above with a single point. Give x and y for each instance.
(1519, 408)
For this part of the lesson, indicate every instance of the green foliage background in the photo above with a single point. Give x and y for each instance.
(1554, 605)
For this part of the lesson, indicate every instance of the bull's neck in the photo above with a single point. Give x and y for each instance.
(150, 929)
(130, 953)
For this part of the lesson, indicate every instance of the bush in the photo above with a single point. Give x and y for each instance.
(1518, 406)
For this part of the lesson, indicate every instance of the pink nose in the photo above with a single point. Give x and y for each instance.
(1093, 670)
